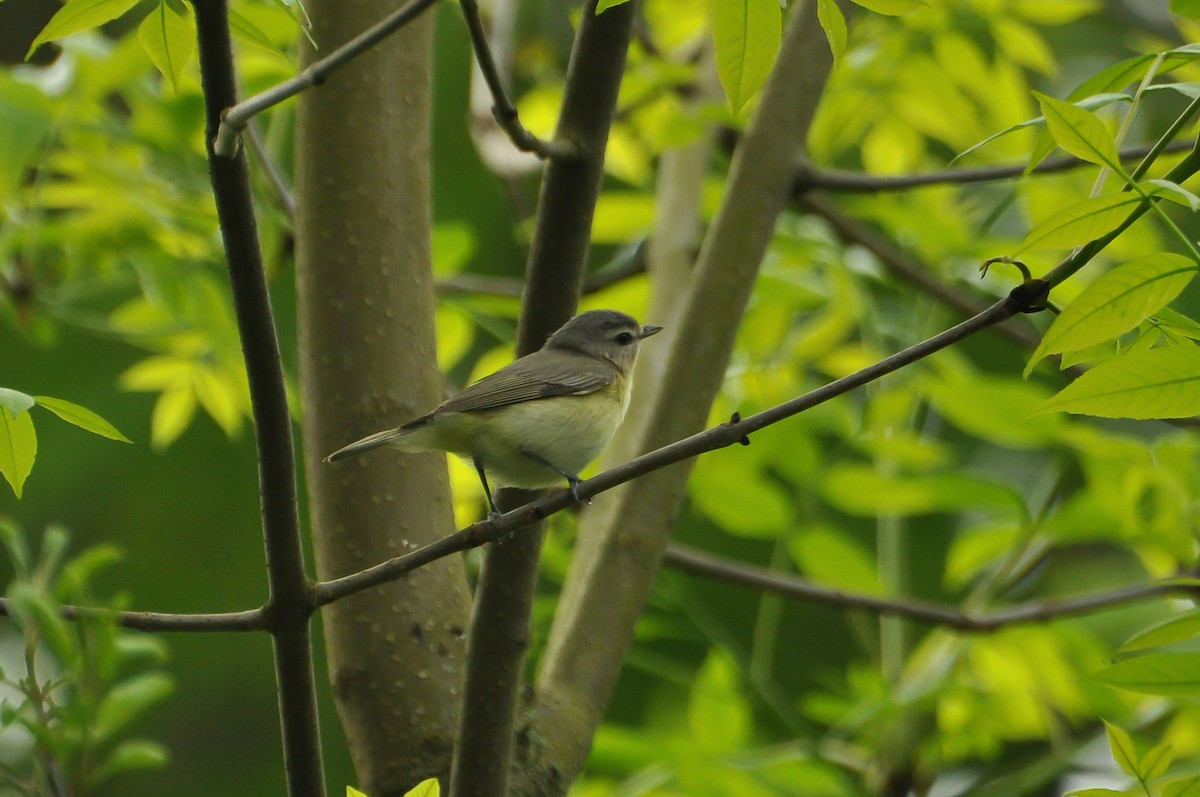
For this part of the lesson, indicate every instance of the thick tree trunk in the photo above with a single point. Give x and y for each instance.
(366, 310)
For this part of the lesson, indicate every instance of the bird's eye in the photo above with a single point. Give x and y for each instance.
(625, 338)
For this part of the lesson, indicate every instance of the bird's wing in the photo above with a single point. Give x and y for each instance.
(536, 376)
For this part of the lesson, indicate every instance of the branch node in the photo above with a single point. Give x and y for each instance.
(734, 420)
(1030, 296)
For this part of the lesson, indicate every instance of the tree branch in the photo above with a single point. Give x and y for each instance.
(690, 560)
(900, 266)
(275, 176)
(248, 620)
(502, 107)
(235, 117)
(811, 178)
(499, 632)
(736, 430)
(290, 604)
(617, 553)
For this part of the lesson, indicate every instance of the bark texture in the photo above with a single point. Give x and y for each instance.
(366, 313)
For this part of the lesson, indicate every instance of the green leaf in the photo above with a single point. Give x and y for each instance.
(18, 448)
(601, 7)
(993, 408)
(1186, 8)
(130, 755)
(353, 792)
(1155, 762)
(1186, 786)
(15, 401)
(1080, 223)
(426, 788)
(1117, 302)
(1165, 674)
(25, 120)
(1174, 629)
(834, 24)
(746, 37)
(53, 629)
(245, 30)
(892, 8)
(77, 16)
(863, 491)
(82, 417)
(1096, 792)
(1094, 101)
(1174, 192)
(1123, 750)
(169, 36)
(1158, 383)
(833, 558)
(1079, 132)
(128, 700)
(172, 413)
(718, 715)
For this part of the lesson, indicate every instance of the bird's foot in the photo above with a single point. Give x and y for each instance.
(573, 483)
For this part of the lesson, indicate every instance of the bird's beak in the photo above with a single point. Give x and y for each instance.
(650, 329)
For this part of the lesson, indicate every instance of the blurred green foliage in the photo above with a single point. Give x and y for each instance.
(940, 482)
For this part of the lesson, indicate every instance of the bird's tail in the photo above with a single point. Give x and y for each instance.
(367, 443)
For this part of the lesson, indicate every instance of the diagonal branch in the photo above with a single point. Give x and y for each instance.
(235, 117)
(502, 107)
(690, 560)
(811, 178)
(726, 434)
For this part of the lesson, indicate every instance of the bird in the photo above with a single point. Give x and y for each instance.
(539, 420)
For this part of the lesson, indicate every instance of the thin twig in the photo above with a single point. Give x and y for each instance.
(900, 266)
(248, 620)
(811, 178)
(630, 262)
(502, 107)
(275, 176)
(726, 434)
(235, 118)
(690, 560)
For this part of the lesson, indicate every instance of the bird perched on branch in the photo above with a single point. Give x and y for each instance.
(539, 420)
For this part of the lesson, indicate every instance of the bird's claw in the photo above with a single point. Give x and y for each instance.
(574, 488)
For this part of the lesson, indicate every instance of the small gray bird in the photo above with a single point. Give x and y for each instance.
(540, 420)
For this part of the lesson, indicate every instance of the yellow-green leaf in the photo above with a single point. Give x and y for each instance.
(1123, 750)
(1158, 383)
(891, 8)
(245, 30)
(718, 715)
(81, 417)
(833, 558)
(426, 788)
(1079, 223)
(1174, 629)
(834, 24)
(1117, 302)
(168, 34)
(18, 448)
(1166, 674)
(746, 36)
(353, 792)
(172, 413)
(1155, 762)
(80, 15)
(1079, 132)
(604, 5)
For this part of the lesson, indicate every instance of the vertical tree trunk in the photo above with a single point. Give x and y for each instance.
(366, 310)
